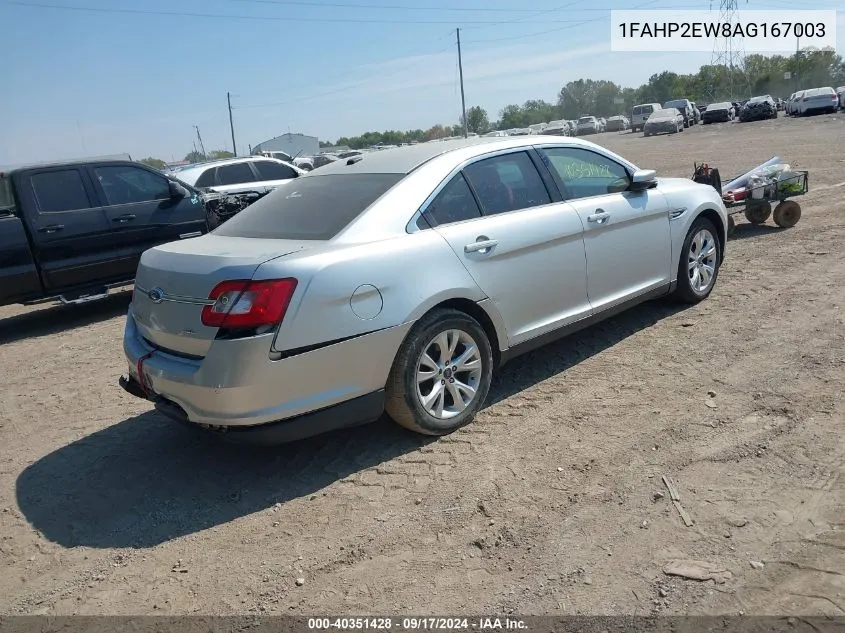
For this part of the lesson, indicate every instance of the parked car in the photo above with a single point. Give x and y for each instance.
(520, 131)
(723, 111)
(759, 108)
(557, 128)
(398, 283)
(818, 100)
(537, 128)
(684, 106)
(640, 114)
(696, 113)
(703, 108)
(588, 125)
(665, 120)
(69, 231)
(617, 124)
(840, 91)
(236, 175)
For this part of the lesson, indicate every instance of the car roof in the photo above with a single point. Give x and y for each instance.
(8, 169)
(403, 160)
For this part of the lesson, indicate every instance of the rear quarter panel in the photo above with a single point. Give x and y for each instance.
(348, 290)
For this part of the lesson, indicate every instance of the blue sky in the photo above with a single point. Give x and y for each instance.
(89, 82)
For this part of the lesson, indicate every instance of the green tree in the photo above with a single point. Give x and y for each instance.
(220, 153)
(155, 163)
(194, 157)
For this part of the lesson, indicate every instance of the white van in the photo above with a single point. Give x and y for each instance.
(640, 114)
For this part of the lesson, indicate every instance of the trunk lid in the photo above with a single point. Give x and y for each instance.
(174, 280)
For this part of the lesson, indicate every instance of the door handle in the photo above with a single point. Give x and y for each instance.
(124, 218)
(481, 246)
(600, 216)
(53, 228)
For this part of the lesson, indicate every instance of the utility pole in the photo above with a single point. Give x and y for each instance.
(231, 124)
(461, 73)
(202, 147)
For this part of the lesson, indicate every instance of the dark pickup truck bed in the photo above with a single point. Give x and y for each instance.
(70, 231)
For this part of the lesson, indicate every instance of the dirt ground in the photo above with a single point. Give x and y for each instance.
(547, 504)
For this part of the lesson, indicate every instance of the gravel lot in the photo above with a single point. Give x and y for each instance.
(547, 504)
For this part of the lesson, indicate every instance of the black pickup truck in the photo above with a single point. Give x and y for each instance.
(70, 231)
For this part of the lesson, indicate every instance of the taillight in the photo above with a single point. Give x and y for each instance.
(248, 304)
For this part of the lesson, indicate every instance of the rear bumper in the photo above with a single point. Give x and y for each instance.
(237, 384)
(355, 412)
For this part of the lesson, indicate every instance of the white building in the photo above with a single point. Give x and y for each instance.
(291, 144)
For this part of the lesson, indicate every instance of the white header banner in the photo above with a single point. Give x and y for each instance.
(755, 31)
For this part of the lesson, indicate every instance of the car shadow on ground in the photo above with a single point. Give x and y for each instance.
(63, 317)
(146, 480)
(747, 230)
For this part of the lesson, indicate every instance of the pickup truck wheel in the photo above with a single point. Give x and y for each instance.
(441, 375)
(698, 267)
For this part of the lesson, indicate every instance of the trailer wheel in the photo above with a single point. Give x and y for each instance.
(758, 213)
(731, 225)
(787, 214)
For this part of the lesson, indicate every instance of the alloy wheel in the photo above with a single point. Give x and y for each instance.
(702, 261)
(448, 374)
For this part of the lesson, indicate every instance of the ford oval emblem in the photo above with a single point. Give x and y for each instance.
(156, 295)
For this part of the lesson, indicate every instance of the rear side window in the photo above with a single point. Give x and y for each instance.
(268, 170)
(61, 190)
(7, 200)
(234, 174)
(454, 203)
(310, 208)
(206, 179)
(507, 183)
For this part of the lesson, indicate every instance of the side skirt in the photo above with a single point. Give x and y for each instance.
(544, 339)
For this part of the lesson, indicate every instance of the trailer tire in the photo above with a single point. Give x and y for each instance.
(758, 212)
(787, 214)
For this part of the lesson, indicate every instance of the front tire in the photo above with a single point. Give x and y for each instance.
(698, 267)
(441, 375)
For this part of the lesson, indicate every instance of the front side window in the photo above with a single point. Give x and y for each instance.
(60, 190)
(507, 183)
(312, 208)
(234, 174)
(124, 184)
(454, 203)
(585, 174)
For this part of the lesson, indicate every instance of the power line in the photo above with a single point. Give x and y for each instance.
(424, 58)
(272, 18)
(558, 29)
(310, 3)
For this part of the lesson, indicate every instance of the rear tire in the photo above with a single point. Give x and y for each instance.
(699, 263)
(433, 397)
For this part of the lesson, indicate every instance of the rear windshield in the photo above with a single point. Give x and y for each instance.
(7, 201)
(312, 207)
(586, 119)
(677, 103)
(643, 109)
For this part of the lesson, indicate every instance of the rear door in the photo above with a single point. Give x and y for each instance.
(70, 230)
(521, 244)
(237, 178)
(626, 234)
(141, 211)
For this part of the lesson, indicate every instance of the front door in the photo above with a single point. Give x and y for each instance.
(524, 249)
(142, 212)
(626, 234)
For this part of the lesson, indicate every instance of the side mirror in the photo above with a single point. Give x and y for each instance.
(177, 190)
(643, 179)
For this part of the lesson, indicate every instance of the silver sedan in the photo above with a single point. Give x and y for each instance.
(400, 280)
